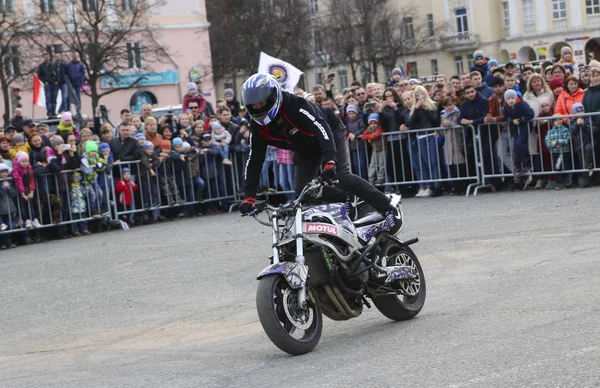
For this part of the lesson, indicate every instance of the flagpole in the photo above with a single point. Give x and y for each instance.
(314, 42)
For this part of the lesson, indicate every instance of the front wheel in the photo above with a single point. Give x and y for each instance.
(293, 330)
(407, 306)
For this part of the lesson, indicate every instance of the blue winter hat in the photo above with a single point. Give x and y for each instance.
(148, 145)
(103, 146)
(373, 117)
(478, 53)
(352, 108)
(397, 70)
(578, 108)
(192, 85)
(177, 141)
(228, 92)
(492, 62)
(140, 136)
(125, 170)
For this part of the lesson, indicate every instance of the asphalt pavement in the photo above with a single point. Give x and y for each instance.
(513, 292)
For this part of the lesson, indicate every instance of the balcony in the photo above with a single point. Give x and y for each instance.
(560, 25)
(463, 41)
(593, 21)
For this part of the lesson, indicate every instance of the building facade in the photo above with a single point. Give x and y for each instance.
(181, 27)
(506, 30)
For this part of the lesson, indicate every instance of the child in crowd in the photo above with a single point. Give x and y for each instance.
(171, 195)
(583, 132)
(356, 146)
(91, 165)
(9, 219)
(222, 139)
(137, 124)
(185, 125)
(195, 184)
(65, 126)
(454, 143)
(149, 165)
(233, 104)
(49, 203)
(124, 189)
(78, 206)
(518, 113)
(22, 174)
(510, 82)
(480, 64)
(285, 164)
(193, 95)
(379, 149)
(178, 160)
(557, 141)
(19, 145)
(211, 169)
(139, 149)
(5, 153)
(543, 161)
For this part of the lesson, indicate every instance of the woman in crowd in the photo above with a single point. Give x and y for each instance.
(571, 94)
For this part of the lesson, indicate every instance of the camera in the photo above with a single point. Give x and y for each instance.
(67, 147)
(369, 105)
(243, 122)
(331, 75)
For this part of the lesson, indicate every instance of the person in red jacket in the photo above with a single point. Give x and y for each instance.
(379, 148)
(193, 95)
(124, 189)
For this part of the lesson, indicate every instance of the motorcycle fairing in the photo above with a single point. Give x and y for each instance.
(295, 274)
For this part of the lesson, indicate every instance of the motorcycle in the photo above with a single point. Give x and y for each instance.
(324, 262)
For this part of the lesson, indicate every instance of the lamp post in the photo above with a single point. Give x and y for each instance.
(314, 42)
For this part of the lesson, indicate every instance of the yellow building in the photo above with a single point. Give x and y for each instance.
(506, 30)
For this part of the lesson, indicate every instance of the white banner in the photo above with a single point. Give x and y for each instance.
(287, 75)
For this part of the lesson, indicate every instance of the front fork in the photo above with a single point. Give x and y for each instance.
(299, 249)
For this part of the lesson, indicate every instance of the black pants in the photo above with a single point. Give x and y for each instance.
(307, 167)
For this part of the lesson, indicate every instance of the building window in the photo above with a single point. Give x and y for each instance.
(528, 12)
(430, 26)
(134, 55)
(228, 85)
(48, 6)
(129, 5)
(559, 9)
(414, 70)
(434, 67)
(343, 78)
(54, 49)
(470, 62)
(314, 5)
(458, 62)
(89, 5)
(592, 7)
(320, 77)
(505, 14)
(318, 41)
(7, 6)
(409, 32)
(12, 64)
(462, 25)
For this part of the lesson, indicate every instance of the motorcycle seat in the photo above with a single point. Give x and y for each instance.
(370, 219)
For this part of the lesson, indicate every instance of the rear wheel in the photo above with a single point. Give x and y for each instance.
(408, 305)
(295, 331)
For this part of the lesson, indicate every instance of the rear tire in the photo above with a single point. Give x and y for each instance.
(401, 307)
(275, 319)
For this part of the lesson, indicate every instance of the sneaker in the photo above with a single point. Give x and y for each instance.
(420, 193)
(28, 224)
(3, 227)
(227, 162)
(539, 184)
(393, 219)
(76, 234)
(86, 233)
(551, 185)
(426, 193)
(36, 224)
(3, 247)
(528, 180)
(560, 187)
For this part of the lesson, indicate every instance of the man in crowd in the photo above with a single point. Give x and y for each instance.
(61, 68)
(480, 86)
(76, 75)
(48, 74)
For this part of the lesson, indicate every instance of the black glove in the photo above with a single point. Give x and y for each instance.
(247, 205)
(328, 171)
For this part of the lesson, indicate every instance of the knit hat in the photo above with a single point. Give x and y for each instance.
(216, 125)
(397, 70)
(192, 85)
(373, 117)
(242, 108)
(491, 63)
(478, 53)
(21, 156)
(140, 136)
(177, 141)
(165, 144)
(556, 83)
(56, 140)
(578, 108)
(125, 170)
(497, 81)
(103, 146)
(565, 49)
(148, 145)
(91, 146)
(4, 167)
(352, 108)
(185, 146)
(545, 100)
(510, 94)
(206, 136)
(228, 92)
(66, 116)
(17, 138)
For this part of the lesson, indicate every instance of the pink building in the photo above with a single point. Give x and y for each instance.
(181, 27)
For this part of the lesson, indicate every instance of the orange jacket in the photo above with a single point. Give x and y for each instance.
(564, 102)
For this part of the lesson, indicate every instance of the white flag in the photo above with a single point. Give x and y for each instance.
(287, 75)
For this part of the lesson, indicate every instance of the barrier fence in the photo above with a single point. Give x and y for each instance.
(462, 158)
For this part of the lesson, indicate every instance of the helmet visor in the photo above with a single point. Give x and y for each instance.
(252, 96)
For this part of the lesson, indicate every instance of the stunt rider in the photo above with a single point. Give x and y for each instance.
(286, 121)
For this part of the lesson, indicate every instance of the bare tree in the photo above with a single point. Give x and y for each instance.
(15, 54)
(112, 37)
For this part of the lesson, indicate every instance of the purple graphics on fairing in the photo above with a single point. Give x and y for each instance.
(400, 272)
(336, 210)
(367, 232)
(294, 273)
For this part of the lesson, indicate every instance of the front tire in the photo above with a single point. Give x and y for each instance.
(291, 330)
(403, 307)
